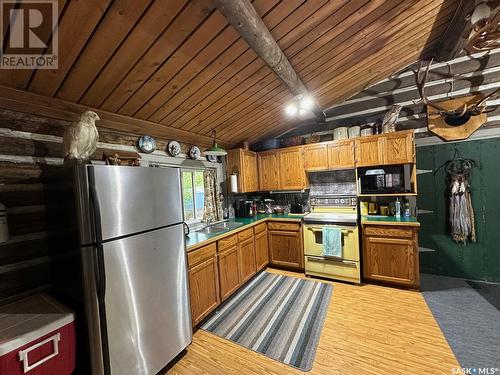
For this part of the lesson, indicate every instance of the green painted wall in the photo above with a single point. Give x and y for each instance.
(477, 261)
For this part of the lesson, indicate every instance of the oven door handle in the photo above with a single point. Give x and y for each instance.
(315, 229)
(330, 259)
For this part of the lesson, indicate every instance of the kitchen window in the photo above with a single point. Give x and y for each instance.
(193, 195)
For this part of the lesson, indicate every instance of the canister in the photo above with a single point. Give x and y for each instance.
(366, 130)
(354, 131)
(340, 133)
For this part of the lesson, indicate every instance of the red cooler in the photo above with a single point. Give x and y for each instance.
(37, 337)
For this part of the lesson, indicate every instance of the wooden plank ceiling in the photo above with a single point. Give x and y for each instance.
(179, 65)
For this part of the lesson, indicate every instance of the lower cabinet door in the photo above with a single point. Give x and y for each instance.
(390, 260)
(247, 259)
(229, 272)
(204, 289)
(261, 250)
(285, 249)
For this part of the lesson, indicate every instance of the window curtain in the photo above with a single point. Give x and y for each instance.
(212, 210)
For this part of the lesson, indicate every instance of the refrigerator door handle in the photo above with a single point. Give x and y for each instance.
(99, 269)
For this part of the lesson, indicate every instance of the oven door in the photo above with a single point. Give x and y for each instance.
(313, 241)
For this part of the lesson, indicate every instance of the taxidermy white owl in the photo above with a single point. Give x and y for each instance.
(390, 118)
(80, 138)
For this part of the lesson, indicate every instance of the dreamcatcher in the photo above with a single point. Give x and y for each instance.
(461, 210)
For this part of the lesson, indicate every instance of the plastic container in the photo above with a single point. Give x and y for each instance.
(38, 337)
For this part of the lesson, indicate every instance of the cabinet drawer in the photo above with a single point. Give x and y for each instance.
(201, 255)
(347, 271)
(397, 232)
(277, 225)
(245, 234)
(260, 228)
(228, 242)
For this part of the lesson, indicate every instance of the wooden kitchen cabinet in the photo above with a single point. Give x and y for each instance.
(285, 245)
(203, 282)
(341, 154)
(291, 169)
(247, 259)
(261, 246)
(390, 254)
(244, 163)
(399, 148)
(316, 157)
(269, 178)
(369, 151)
(229, 271)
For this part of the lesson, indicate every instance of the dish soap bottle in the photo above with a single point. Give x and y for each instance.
(397, 208)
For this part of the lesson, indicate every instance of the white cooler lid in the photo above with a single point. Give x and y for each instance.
(30, 318)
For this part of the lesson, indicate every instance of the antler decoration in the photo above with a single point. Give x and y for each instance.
(423, 97)
(485, 34)
(471, 110)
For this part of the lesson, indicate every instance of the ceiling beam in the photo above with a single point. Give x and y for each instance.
(453, 40)
(242, 16)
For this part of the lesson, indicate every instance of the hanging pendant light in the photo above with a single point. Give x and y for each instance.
(215, 150)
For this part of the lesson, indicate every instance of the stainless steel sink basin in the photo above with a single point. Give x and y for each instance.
(219, 227)
(227, 225)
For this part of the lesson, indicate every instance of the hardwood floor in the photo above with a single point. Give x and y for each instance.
(369, 329)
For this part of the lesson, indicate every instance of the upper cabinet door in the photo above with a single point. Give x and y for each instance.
(369, 151)
(341, 154)
(316, 157)
(269, 171)
(399, 148)
(291, 168)
(251, 174)
(244, 163)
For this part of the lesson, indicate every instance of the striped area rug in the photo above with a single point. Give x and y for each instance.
(278, 316)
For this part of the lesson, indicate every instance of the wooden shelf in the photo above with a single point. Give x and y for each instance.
(389, 195)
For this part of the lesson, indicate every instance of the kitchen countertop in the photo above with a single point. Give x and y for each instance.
(197, 239)
(389, 220)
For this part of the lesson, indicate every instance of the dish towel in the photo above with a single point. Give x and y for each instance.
(332, 242)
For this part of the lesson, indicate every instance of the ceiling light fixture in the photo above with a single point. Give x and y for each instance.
(215, 150)
(300, 106)
(291, 109)
(306, 103)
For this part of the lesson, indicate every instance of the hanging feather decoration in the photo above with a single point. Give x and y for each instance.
(461, 211)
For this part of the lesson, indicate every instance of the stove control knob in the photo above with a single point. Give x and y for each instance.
(336, 201)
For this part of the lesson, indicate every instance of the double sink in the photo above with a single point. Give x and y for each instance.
(219, 227)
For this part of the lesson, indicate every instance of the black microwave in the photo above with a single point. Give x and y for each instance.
(385, 180)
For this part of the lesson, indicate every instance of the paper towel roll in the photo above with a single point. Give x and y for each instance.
(234, 183)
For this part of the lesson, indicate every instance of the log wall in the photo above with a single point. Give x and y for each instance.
(30, 157)
(478, 73)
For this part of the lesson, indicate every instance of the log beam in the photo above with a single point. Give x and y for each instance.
(242, 16)
(453, 41)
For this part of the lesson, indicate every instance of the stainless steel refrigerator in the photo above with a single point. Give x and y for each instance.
(134, 267)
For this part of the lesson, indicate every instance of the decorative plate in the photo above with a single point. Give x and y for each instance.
(174, 148)
(147, 144)
(194, 152)
(212, 158)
